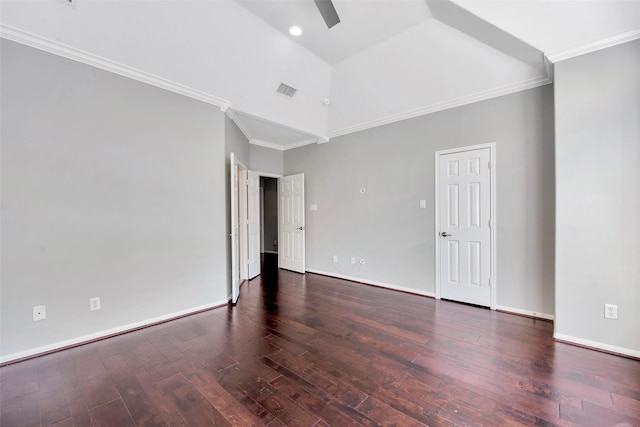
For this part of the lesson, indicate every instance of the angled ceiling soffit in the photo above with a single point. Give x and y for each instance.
(269, 134)
(459, 18)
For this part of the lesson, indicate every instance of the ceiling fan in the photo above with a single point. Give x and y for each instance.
(328, 12)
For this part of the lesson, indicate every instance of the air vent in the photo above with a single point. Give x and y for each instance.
(287, 90)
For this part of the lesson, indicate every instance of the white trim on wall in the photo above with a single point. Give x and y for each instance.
(597, 345)
(458, 102)
(280, 147)
(60, 49)
(107, 333)
(492, 173)
(269, 175)
(536, 314)
(374, 283)
(572, 52)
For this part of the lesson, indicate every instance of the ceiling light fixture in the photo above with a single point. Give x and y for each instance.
(295, 31)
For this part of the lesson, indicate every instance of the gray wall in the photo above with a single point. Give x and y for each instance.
(110, 188)
(266, 160)
(395, 163)
(598, 186)
(236, 143)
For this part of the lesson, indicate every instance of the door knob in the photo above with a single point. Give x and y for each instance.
(300, 228)
(445, 234)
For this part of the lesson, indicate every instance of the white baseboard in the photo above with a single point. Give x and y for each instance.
(379, 284)
(539, 315)
(106, 333)
(270, 252)
(597, 345)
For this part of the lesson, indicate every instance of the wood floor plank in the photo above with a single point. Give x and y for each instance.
(169, 411)
(385, 414)
(142, 410)
(204, 380)
(325, 408)
(18, 380)
(111, 414)
(99, 390)
(22, 411)
(278, 404)
(195, 409)
(314, 380)
(54, 406)
(316, 351)
(76, 398)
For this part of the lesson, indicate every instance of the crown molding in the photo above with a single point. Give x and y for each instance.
(60, 49)
(234, 117)
(572, 52)
(304, 142)
(267, 144)
(281, 147)
(441, 106)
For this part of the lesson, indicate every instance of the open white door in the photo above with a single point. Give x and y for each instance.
(291, 232)
(235, 256)
(464, 231)
(253, 223)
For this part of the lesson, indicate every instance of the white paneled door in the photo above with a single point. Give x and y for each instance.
(464, 233)
(291, 232)
(253, 223)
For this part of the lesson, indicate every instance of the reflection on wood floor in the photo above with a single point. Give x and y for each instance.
(308, 350)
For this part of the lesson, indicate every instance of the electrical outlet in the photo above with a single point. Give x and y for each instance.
(353, 260)
(39, 312)
(335, 258)
(362, 261)
(94, 303)
(610, 311)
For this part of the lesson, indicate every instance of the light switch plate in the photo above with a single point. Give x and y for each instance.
(314, 207)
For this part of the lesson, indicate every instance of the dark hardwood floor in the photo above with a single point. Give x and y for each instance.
(309, 350)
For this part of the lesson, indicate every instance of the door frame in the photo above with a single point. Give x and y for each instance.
(243, 234)
(264, 175)
(238, 236)
(492, 232)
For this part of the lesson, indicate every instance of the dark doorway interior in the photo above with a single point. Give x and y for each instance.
(269, 192)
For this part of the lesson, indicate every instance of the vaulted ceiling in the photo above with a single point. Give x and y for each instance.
(387, 60)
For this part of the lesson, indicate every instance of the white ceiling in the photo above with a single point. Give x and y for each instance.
(364, 23)
(387, 60)
(263, 132)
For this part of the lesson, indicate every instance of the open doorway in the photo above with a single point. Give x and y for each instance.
(269, 215)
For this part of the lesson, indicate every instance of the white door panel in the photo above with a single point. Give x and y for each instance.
(464, 209)
(235, 272)
(291, 232)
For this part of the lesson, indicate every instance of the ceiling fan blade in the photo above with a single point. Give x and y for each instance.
(328, 12)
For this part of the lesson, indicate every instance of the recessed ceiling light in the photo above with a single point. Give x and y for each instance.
(295, 31)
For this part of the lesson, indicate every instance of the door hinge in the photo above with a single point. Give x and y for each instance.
(489, 164)
(489, 281)
(489, 223)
